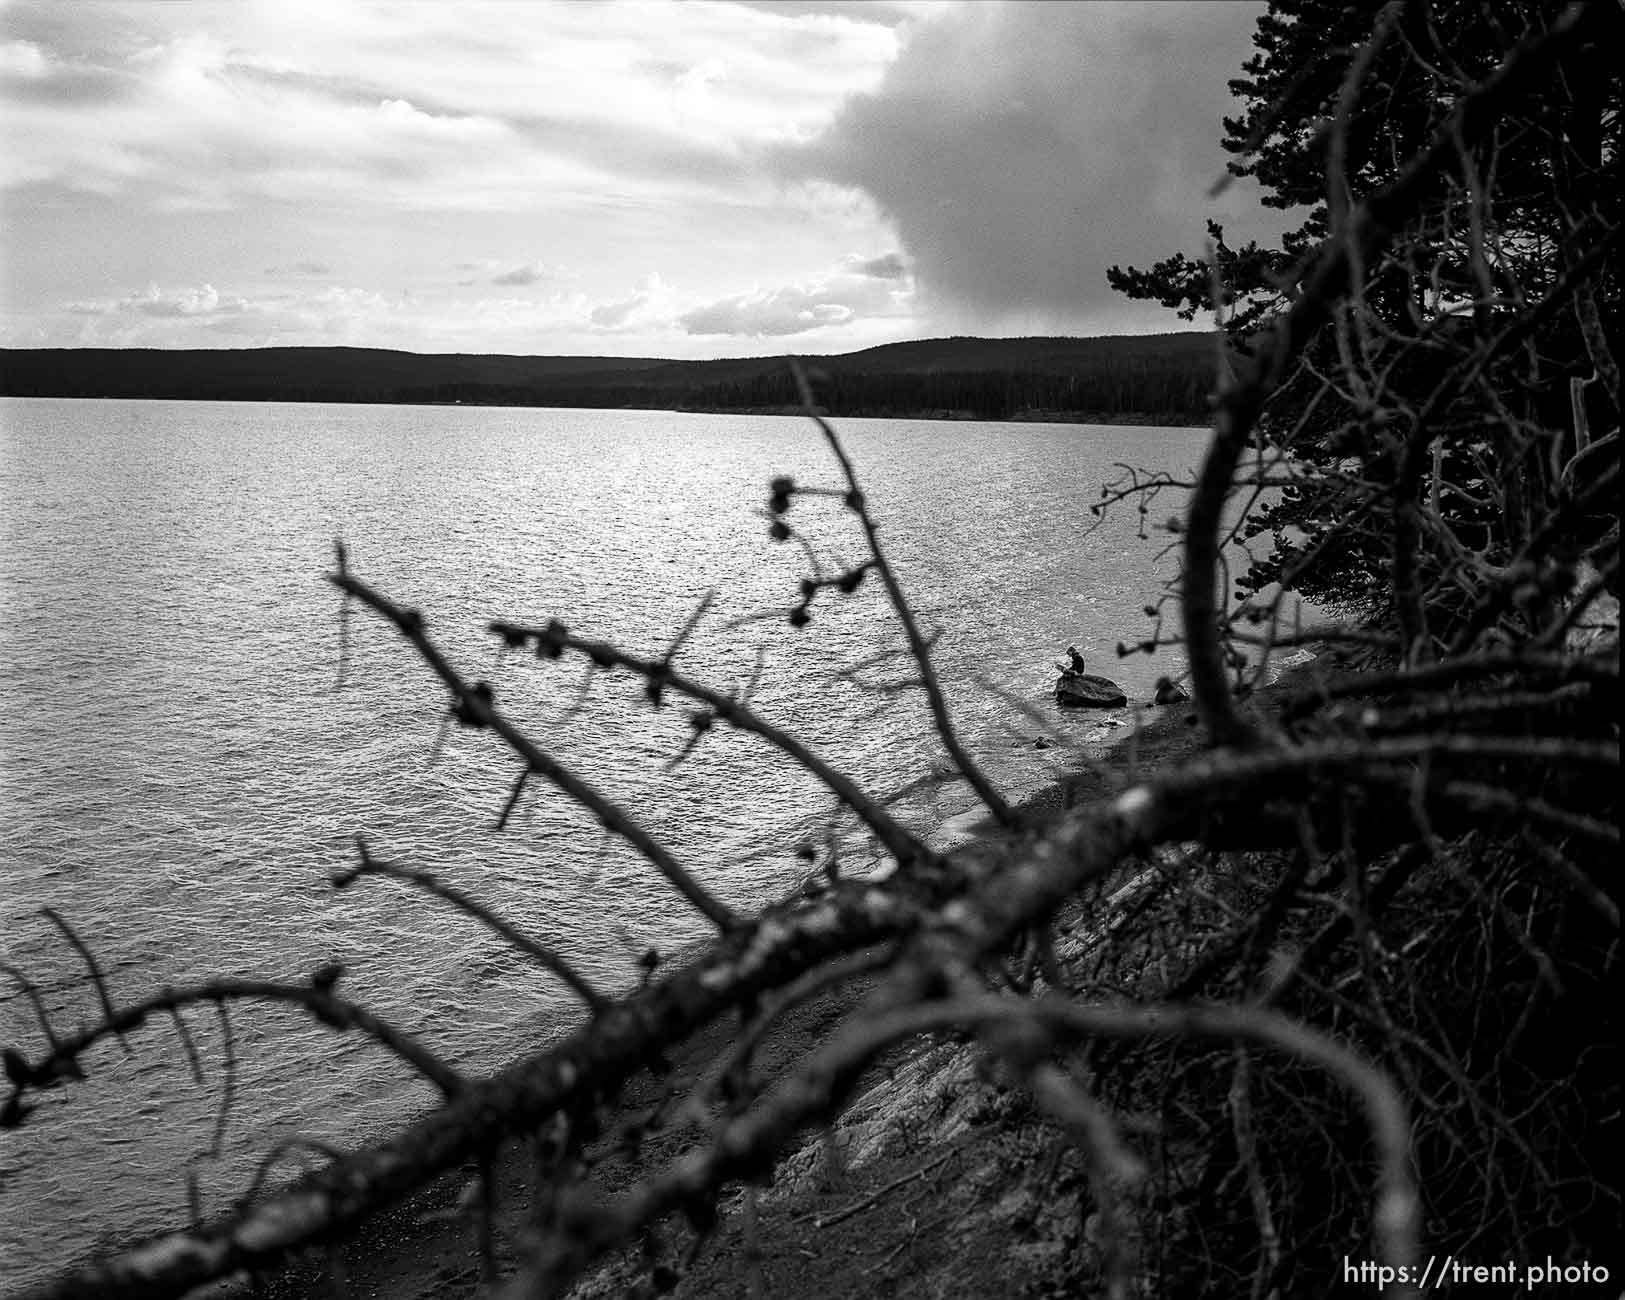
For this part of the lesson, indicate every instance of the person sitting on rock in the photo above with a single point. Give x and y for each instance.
(1075, 660)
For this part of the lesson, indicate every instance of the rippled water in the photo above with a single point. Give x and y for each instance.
(180, 776)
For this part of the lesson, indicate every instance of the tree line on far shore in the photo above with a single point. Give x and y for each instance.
(1161, 377)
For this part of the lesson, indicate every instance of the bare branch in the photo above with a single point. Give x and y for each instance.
(431, 884)
(475, 706)
(1369, 228)
(317, 998)
(918, 647)
(554, 638)
(97, 979)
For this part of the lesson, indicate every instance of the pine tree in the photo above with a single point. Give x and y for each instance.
(1464, 338)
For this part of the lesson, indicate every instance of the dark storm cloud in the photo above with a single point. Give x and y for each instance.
(1022, 148)
(888, 266)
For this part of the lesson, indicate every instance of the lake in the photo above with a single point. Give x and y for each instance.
(181, 774)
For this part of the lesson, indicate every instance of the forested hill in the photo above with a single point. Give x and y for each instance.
(1156, 376)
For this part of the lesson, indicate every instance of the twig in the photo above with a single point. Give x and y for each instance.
(743, 1144)
(32, 994)
(429, 883)
(475, 706)
(228, 1084)
(858, 1207)
(97, 979)
(553, 638)
(1368, 230)
(317, 998)
(918, 647)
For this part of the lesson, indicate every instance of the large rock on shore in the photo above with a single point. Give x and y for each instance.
(1086, 691)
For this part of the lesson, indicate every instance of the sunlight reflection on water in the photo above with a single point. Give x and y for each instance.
(181, 776)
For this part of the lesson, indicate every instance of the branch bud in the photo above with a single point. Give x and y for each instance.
(468, 714)
(550, 645)
(17, 1068)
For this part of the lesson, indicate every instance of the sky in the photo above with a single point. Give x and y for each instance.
(678, 178)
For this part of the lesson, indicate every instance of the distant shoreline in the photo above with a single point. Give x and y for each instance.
(1139, 419)
(1129, 379)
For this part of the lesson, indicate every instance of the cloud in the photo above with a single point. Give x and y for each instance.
(838, 299)
(1021, 148)
(24, 60)
(302, 267)
(881, 11)
(888, 266)
(612, 315)
(986, 161)
(163, 304)
(195, 122)
(415, 106)
(829, 313)
(221, 142)
(202, 301)
(188, 316)
(529, 273)
(651, 297)
(204, 316)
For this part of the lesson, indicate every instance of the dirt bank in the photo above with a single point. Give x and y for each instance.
(939, 1180)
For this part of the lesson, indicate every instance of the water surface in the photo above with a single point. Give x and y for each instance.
(181, 775)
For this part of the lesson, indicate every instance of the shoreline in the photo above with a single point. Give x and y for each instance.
(1026, 415)
(426, 1247)
(1109, 419)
